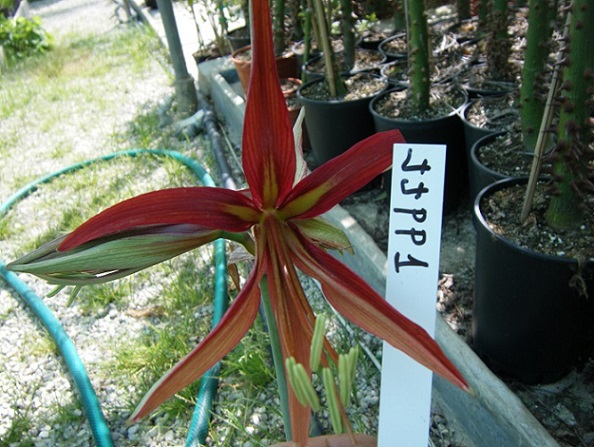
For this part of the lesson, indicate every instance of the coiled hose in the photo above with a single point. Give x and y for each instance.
(101, 434)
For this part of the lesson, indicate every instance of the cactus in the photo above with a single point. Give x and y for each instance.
(572, 156)
(279, 27)
(538, 39)
(348, 33)
(418, 55)
(498, 44)
(335, 85)
(398, 16)
(463, 8)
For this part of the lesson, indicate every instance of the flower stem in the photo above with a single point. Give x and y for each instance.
(277, 356)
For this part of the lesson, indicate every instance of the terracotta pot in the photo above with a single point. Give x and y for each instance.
(286, 65)
(336, 441)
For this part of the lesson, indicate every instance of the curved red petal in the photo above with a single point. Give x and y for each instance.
(293, 314)
(358, 302)
(268, 146)
(214, 208)
(224, 337)
(340, 177)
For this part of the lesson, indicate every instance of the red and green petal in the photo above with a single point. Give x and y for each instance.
(294, 317)
(218, 343)
(340, 177)
(214, 208)
(268, 147)
(358, 302)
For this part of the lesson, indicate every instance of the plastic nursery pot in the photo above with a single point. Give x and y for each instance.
(528, 321)
(480, 175)
(492, 113)
(365, 61)
(370, 40)
(472, 133)
(336, 441)
(299, 49)
(395, 47)
(396, 72)
(239, 38)
(441, 130)
(488, 88)
(334, 125)
(286, 65)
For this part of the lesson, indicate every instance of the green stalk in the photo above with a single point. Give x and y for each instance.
(279, 27)
(574, 131)
(483, 13)
(418, 55)
(306, 36)
(222, 29)
(348, 33)
(498, 45)
(538, 39)
(399, 17)
(313, 23)
(335, 85)
(463, 7)
(541, 141)
(277, 357)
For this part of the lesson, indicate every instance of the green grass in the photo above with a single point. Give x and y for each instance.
(76, 68)
(180, 316)
(17, 432)
(22, 421)
(250, 361)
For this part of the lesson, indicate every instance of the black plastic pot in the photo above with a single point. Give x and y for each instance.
(443, 130)
(391, 54)
(528, 321)
(396, 72)
(298, 49)
(472, 133)
(335, 125)
(480, 176)
(239, 38)
(312, 71)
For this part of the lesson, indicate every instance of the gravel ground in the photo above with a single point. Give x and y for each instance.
(34, 385)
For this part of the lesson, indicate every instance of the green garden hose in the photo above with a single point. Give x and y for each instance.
(101, 434)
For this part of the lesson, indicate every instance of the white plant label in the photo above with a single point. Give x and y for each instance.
(418, 173)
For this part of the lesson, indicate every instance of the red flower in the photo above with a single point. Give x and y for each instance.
(281, 211)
